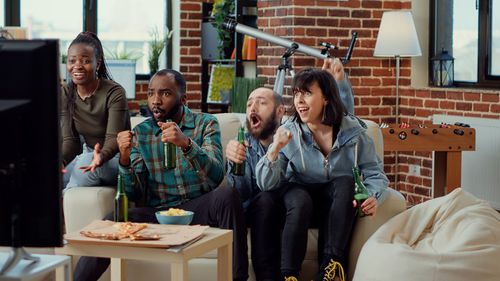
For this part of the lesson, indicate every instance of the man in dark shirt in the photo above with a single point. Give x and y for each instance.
(191, 185)
(263, 213)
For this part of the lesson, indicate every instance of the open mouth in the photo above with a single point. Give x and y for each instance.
(302, 110)
(157, 112)
(254, 120)
(78, 75)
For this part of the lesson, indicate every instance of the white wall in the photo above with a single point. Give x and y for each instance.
(420, 65)
(176, 40)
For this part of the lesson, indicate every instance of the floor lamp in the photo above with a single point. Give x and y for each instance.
(397, 37)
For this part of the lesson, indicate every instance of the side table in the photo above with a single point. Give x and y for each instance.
(212, 238)
(27, 270)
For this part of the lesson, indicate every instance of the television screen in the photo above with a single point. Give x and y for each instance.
(30, 165)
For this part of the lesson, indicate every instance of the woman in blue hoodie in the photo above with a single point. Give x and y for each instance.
(311, 158)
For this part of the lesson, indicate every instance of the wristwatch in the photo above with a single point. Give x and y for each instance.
(188, 147)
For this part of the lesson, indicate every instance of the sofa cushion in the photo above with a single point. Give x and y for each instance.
(455, 237)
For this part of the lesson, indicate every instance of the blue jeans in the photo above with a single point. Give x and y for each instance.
(106, 174)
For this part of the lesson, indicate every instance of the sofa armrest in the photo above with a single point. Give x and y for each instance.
(394, 204)
(82, 205)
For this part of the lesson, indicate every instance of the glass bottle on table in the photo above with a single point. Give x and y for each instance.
(360, 193)
(170, 153)
(121, 202)
(239, 169)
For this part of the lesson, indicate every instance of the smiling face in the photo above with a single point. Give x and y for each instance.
(82, 63)
(309, 103)
(261, 113)
(165, 99)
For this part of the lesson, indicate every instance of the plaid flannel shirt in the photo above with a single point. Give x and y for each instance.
(197, 171)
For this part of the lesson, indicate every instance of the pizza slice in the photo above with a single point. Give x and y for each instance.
(104, 236)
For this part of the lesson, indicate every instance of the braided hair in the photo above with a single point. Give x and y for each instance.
(91, 39)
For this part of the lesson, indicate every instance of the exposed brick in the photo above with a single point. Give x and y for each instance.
(190, 6)
(495, 108)
(371, 23)
(472, 96)
(190, 24)
(392, 5)
(350, 23)
(380, 111)
(329, 22)
(431, 103)
(316, 12)
(320, 32)
(351, 4)
(422, 94)
(382, 72)
(416, 102)
(304, 21)
(464, 106)
(455, 95)
(422, 190)
(371, 4)
(490, 97)
(481, 107)
(361, 14)
(447, 104)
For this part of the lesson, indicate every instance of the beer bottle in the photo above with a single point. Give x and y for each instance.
(360, 193)
(170, 153)
(239, 169)
(121, 202)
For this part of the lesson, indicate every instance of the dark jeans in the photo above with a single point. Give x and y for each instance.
(327, 206)
(218, 208)
(264, 216)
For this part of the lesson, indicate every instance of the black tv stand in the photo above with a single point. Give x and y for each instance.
(16, 255)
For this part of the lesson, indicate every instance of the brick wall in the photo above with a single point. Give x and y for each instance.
(373, 79)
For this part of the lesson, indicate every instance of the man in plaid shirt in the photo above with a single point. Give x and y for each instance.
(191, 185)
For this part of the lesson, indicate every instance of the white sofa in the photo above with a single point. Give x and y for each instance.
(84, 204)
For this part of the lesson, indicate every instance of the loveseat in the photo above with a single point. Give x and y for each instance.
(84, 204)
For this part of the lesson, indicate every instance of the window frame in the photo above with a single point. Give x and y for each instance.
(13, 18)
(484, 78)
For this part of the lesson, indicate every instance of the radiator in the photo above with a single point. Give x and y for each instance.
(480, 168)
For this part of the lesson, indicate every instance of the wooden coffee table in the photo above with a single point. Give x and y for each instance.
(213, 238)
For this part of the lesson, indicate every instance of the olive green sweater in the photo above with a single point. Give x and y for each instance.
(98, 119)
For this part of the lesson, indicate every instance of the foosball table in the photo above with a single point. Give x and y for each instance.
(447, 141)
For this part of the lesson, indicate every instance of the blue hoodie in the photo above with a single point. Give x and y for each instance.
(320, 169)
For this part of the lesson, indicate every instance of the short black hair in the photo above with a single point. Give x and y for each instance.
(335, 109)
(179, 79)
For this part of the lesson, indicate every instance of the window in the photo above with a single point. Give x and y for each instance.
(2, 12)
(470, 31)
(127, 36)
(40, 21)
(124, 27)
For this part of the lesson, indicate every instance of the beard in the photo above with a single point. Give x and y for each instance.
(268, 127)
(170, 115)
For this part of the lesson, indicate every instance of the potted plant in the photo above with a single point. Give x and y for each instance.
(222, 9)
(156, 46)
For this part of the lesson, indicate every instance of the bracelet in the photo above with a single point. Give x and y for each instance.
(188, 148)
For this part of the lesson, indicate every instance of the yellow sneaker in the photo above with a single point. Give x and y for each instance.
(291, 278)
(331, 271)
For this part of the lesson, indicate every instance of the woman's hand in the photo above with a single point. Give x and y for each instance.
(369, 207)
(96, 160)
(334, 67)
(281, 138)
(236, 152)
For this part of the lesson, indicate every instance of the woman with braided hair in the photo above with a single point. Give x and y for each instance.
(93, 110)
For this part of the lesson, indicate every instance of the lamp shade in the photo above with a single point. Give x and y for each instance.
(397, 36)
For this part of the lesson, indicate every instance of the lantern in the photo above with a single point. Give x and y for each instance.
(442, 70)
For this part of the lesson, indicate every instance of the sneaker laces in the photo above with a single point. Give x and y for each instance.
(291, 278)
(330, 271)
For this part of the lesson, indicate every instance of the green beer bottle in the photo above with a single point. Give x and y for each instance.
(170, 153)
(121, 202)
(239, 169)
(360, 192)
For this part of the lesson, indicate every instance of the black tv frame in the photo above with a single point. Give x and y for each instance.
(30, 166)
